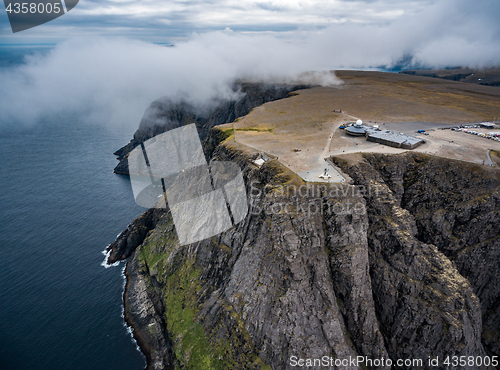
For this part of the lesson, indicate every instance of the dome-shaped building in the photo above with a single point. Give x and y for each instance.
(356, 129)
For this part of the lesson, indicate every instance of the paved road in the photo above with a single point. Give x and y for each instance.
(488, 161)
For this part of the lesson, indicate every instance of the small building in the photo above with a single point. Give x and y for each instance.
(487, 125)
(395, 140)
(259, 162)
(261, 159)
(356, 129)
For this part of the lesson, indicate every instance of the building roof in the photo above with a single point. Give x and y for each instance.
(395, 137)
(487, 124)
(356, 130)
(259, 162)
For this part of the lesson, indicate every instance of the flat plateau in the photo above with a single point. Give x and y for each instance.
(303, 130)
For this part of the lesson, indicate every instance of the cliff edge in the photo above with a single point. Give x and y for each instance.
(164, 114)
(400, 264)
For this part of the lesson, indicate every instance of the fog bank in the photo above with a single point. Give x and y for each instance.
(113, 80)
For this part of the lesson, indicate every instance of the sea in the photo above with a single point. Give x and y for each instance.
(60, 206)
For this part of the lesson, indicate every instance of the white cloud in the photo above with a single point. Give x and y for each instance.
(113, 80)
(269, 14)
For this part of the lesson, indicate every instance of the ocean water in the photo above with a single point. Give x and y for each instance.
(61, 205)
(14, 54)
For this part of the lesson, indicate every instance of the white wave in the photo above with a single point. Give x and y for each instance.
(105, 263)
(129, 328)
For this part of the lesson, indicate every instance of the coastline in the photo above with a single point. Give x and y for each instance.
(131, 326)
(143, 347)
(144, 316)
(336, 244)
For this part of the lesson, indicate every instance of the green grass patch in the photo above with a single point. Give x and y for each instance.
(150, 256)
(190, 343)
(223, 346)
(226, 135)
(255, 129)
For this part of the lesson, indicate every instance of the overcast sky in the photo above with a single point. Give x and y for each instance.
(106, 62)
(169, 20)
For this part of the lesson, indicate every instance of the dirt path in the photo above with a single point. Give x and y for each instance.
(326, 151)
(488, 162)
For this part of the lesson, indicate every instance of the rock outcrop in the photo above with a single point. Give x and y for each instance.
(402, 263)
(263, 292)
(427, 304)
(456, 207)
(129, 239)
(164, 114)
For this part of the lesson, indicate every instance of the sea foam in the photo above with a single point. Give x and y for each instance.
(105, 263)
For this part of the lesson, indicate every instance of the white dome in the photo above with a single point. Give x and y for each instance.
(359, 122)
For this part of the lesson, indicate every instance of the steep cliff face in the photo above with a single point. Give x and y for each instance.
(456, 207)
(375, 268)
(426, 306)
(264, 291)
(164, 115)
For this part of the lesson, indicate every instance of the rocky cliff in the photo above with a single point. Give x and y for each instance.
(456, 208)
(165, 114)
(438, 225)
(402, 263)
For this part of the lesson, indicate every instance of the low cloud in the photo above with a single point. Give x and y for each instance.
(113, 80)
